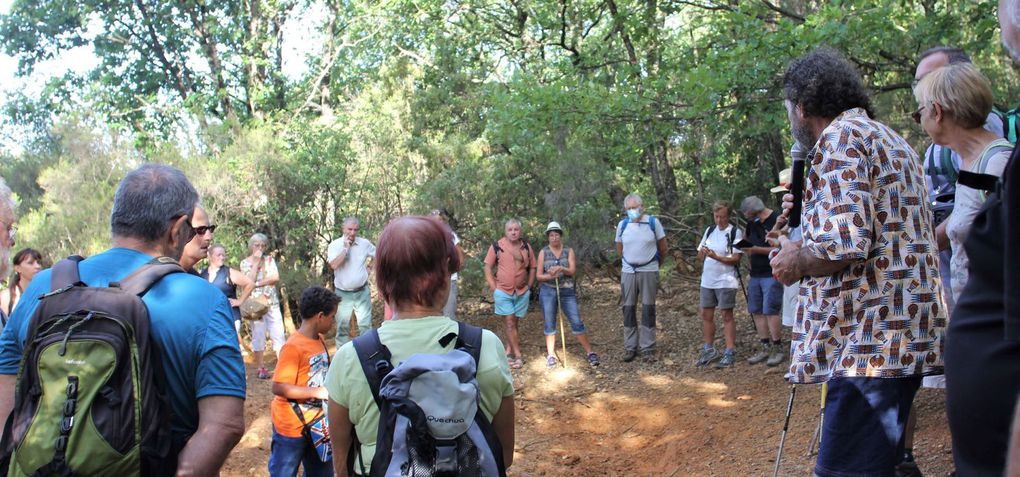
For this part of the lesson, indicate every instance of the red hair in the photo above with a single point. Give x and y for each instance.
(414, 259)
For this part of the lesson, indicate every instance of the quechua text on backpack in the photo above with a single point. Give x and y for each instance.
(430, 422)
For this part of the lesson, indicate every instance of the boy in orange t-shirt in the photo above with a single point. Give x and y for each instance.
(300, 371)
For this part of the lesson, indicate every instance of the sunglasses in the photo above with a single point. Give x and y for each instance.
(202, 229)
(916, 115)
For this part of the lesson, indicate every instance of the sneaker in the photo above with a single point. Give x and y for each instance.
(727, 361)
(550, 362)
(707, 356)
(593, 359)
(761, 355)
(263, 373)
(777, 356)
(648, 357)
(629, 355)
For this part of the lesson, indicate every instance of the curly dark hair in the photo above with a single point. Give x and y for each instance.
(315, 299)
(825, 84)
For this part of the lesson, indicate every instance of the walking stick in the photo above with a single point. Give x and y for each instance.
(559, 314)
(786, 426)
(817, 439)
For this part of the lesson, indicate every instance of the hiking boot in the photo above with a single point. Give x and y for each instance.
(629, 355)
(550, 362)
(648, 357)
(707, 356)
(761, 355)
(727, 361)
(593, 360)
(777, 356)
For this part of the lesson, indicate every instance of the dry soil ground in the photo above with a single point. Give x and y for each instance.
(667, 419)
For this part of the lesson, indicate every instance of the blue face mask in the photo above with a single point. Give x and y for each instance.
(634, 214)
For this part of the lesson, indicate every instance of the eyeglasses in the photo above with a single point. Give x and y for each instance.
(916, 115)
(202, 229)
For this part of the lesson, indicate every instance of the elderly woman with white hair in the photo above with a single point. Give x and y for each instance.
(261, 269)
(953, 103)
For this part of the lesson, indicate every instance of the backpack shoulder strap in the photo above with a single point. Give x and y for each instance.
(141, 280)
(626, 222)
(496, 249)
(469, 340)
(65, 273)
(374, 359)
(948, 168)
(652, 222)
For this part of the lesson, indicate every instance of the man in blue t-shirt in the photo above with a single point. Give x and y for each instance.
(190, 319)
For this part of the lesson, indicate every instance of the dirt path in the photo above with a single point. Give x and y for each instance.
(668, 419)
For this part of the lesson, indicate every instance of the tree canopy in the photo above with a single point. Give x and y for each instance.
(541, 110)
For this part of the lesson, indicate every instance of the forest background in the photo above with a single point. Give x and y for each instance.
(540, 110)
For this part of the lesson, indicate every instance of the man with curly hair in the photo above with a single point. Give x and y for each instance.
(870, 320)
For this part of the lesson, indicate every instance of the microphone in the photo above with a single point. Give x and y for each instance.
(797, 183)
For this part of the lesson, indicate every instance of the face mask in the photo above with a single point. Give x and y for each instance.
(634, 214)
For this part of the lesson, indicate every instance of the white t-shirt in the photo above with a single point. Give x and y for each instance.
(715, 274)
(966, 205)
(353, 274)
(640, 244)
(456, 240)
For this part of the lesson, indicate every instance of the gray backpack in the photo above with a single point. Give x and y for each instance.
(430, 422)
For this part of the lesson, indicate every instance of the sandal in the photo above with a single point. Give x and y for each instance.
(263, 373)
(517, 363)
(550, 362)
(593, 359)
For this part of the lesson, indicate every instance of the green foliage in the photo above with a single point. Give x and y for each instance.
(486, 110)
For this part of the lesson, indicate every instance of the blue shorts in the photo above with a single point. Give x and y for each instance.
(863, 426)
(568, 303)
(764, 296)
(515, 304)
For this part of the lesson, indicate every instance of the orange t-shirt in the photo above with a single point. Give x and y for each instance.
(515, 263)
(303, 362)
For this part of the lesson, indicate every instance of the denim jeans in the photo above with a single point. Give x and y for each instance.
(864, 422)
(568, 302)
(288, 452)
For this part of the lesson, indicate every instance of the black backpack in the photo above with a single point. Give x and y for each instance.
(415, 421)
(496, 249)
(89, 398)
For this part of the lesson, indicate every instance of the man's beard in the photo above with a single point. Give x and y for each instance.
(1013, 52)
(802, 133)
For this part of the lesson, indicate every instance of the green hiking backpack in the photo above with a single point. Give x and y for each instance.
(89, 398)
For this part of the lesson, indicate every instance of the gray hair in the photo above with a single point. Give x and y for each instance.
(752, 204)
(147, 198)
(633, 197)
(511, 221)
(350, 219)
(6, 196)
(258, 238)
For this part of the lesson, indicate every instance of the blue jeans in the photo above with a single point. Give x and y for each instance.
(568, 302)
(288, 452)
(764, 296)
(864, 422)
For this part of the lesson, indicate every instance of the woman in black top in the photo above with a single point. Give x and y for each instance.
(227, 280)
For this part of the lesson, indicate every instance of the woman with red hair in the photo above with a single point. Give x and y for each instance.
(413, 262)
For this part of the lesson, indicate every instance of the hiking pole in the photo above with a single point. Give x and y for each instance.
(817, 439)
(786, 426)
(559, 315)
(747, 300)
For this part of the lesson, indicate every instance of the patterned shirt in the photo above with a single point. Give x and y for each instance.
(882, 316)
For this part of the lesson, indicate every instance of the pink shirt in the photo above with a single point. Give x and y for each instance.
(514, 265)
